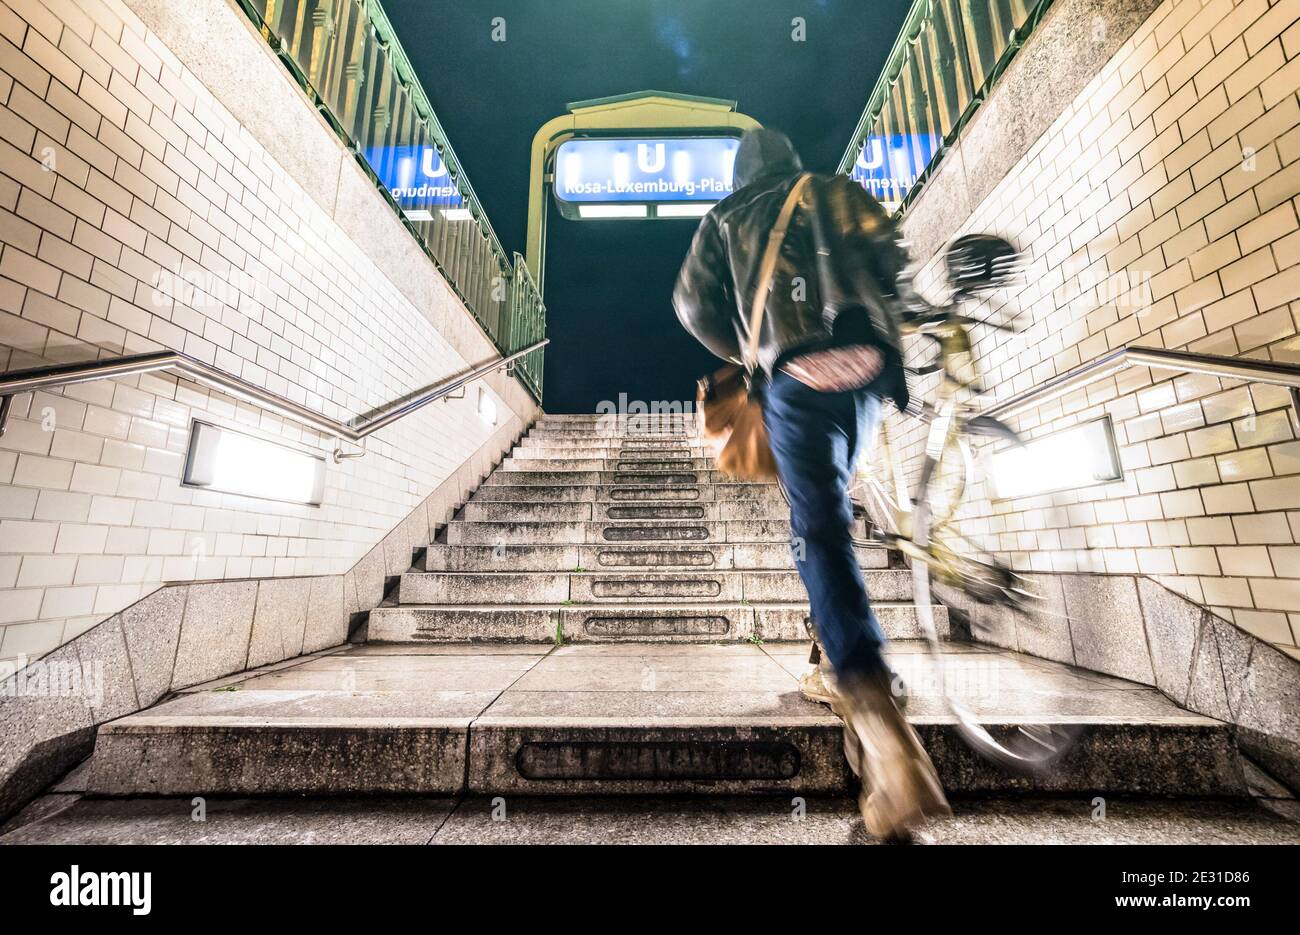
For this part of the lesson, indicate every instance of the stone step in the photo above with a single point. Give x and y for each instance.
(525, 511)
(622, 493)
(674, 435)
(556, 439)
(637, 418)
(462, 532)
(522, 453)
(603, 587)
(670, 412)
(611, 478)
(701, 622)
(618, 719)
(744, 555)
(347, 754)
(606, 464)
(632, 426)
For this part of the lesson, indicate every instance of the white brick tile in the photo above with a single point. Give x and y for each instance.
(1276, 493)
(1196, 472)
(1276, 593)
(41, 571)
(1268, 528)
(1245, 561)
(67, 602)
(1195, 561)
(1285, 560)
(1266, 626)
(76, 446)
(1263, 429)
(33, 639)
(94, 479)
(17, 503)
(46, 473)
(1250, 464)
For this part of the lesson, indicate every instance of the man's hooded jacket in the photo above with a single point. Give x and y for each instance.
(836, 276)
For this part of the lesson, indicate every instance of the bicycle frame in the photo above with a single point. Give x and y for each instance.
(947, 418)
(933, 545)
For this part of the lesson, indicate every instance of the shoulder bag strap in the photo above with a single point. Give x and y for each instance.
(768, 266)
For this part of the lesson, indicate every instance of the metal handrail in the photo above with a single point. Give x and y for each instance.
(388, 38)
(918, 18)
(1275, 372)
(341, 55)
(35, 378)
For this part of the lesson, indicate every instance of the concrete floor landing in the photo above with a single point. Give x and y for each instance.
(628, 719)
(67, 819)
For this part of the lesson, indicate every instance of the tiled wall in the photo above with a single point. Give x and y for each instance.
(185, 633)
(1160, 209)
(128, 164)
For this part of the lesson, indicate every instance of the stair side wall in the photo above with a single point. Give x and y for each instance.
(147, 144)
(1133, 627)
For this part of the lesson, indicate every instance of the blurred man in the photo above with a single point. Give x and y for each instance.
(828, 351)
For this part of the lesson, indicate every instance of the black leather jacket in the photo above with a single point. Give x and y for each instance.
(840, 258)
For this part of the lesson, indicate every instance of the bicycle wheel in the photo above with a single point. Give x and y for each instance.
(878, 488)
(1028, 748)
(948, 482)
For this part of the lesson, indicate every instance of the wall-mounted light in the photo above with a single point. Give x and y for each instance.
(418, 214)
(1081, 456)
(457, 214)
(487, 407)
(232, 462)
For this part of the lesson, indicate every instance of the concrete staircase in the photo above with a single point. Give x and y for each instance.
(607, 614)
(596, 533)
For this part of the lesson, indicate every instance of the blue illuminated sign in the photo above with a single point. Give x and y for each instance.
(647, 171)
(888, 166)
(416, 176)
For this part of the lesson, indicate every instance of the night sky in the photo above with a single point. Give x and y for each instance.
(609, 283)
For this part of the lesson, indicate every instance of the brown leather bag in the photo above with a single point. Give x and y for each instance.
(726, 414)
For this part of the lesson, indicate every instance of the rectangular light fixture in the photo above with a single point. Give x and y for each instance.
(612, 211)
(232, 462)
(487, 407)
(418, 214)
(1081, 456)
(457, 214)
(684, 211)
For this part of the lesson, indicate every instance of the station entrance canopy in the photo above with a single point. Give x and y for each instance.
(645, 155)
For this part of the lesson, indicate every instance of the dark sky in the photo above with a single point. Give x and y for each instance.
(609, 283)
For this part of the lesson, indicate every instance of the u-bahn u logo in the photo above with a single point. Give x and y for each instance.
(877, 159)
(643, 160)
(427, 166)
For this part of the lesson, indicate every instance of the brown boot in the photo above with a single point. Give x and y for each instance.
(817, 684)
(900, 788)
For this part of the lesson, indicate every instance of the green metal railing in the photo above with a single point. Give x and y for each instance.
(348, 61)
(947, 57)
(527, 324)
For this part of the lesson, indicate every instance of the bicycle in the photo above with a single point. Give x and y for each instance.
(921, 526)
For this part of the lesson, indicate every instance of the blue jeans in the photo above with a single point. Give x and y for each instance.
(816, 439)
